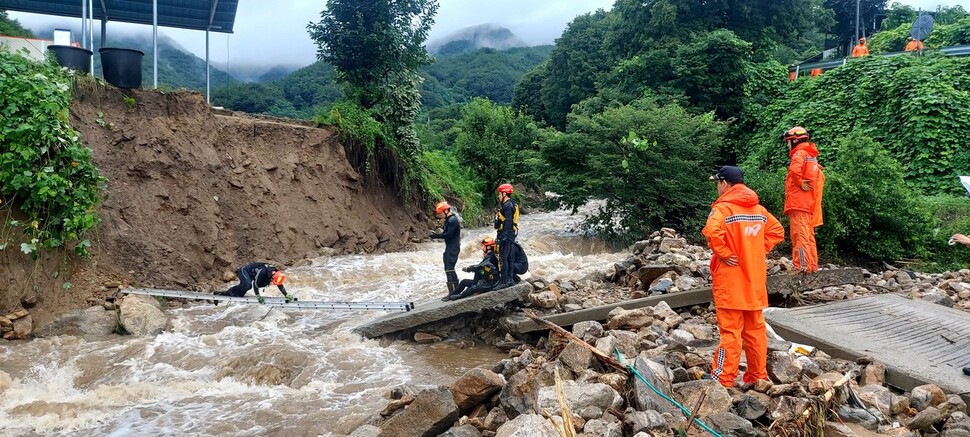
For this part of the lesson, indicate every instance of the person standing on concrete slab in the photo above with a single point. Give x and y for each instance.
(451, 233)
(740, 232)
(507, 229)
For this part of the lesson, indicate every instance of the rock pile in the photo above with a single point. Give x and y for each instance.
(807, 394)
(16, 325)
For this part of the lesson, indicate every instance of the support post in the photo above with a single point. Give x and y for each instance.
(207, 97)
(155, 44)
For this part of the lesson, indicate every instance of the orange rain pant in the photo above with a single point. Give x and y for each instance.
(804, 252)
(739, 327)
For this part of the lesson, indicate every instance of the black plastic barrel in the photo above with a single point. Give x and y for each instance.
(74, 58)
(122, 67)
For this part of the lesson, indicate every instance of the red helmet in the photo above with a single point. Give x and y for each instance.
(488, 242)
(505, 188)
(797, 134)
(278, 278)
(442, 207)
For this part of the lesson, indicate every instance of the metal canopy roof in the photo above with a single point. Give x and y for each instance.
(212, 15)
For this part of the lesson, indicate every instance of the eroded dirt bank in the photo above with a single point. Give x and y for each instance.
(192, 195)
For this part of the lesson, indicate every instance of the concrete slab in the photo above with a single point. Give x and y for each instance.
(778, 284)
(435, 310)
(920, 342)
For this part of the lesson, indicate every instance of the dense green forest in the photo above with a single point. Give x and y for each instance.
(450, 79)
(9, 27)
(638, 104)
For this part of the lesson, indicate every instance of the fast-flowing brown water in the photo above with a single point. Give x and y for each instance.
(249, 370)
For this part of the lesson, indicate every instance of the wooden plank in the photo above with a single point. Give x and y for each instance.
(777, 284)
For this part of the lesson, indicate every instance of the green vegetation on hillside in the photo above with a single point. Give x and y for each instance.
(9, 27)
(45, 169)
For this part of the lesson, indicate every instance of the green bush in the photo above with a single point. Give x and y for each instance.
(45, 168)
(951, 216)
(496, 143)
(917, 107)
(869, 211)
(649, 163)
(444, 178)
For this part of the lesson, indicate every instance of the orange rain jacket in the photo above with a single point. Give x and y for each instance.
(804, 166)
(860, 50)
(739, 226)
(914, 45)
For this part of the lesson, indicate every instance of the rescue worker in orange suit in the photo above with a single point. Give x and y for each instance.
(914, 45)
(506, 228)
(486, 274)
(255, 276)
(804, 184)
(740, 232)
(860, 49)
(451, 233)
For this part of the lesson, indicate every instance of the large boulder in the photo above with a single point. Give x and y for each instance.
(717, 399)
(527, 425)
(630, 319)
(518, 396)
(432, 412)
(92, 321)
(142, 315)
(783, 367)
(660, 377)
(577, 358)
(581, 398)
(475, 386)
(731, 424)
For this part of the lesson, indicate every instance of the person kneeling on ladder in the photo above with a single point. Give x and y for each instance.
(486, 274)
(255, 276)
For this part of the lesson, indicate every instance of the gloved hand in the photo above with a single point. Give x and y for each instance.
(260, 299)
(290, 299)
(468, 269)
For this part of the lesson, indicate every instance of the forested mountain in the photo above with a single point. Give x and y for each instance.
(469, 39)
(486, 73)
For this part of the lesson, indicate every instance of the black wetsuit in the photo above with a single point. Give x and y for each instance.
(451, 233)
(486, 276)
(507, 229)
(253, 277)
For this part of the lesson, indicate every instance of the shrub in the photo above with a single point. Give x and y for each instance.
(444, 178)
(45, 168)
(650, 164)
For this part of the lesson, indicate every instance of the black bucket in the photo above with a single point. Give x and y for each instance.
(74, 58)
(122, 67)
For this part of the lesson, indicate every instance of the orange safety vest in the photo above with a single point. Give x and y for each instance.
(739, 226)
(804, 167)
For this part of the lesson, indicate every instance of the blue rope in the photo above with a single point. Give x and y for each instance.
(661, 394)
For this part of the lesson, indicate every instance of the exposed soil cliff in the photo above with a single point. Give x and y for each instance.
(192, 195)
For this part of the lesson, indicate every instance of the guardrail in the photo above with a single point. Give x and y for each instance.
(963, 50)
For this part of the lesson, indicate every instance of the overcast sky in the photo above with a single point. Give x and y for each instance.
(267, 32)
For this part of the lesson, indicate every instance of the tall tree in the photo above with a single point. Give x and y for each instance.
(845, 17)
(371, 43)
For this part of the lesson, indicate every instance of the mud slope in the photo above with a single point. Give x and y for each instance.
(193, 194)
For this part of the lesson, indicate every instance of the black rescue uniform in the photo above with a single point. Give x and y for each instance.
(507, 228)
(253, 277)
(451, 233)
(486, 276)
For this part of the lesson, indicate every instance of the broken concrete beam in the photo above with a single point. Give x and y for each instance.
(778, 284)
(435, 310)
(919, 342)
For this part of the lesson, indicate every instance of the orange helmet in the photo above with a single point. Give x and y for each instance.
(278, 278)
(441, 207)
(505, 188)
(488, 242)
(796, 134)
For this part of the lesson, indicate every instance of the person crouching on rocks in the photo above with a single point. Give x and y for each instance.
(486, 274)
(256, 276)
(451, 233)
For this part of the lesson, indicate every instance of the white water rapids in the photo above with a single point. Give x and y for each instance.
(247, 370)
